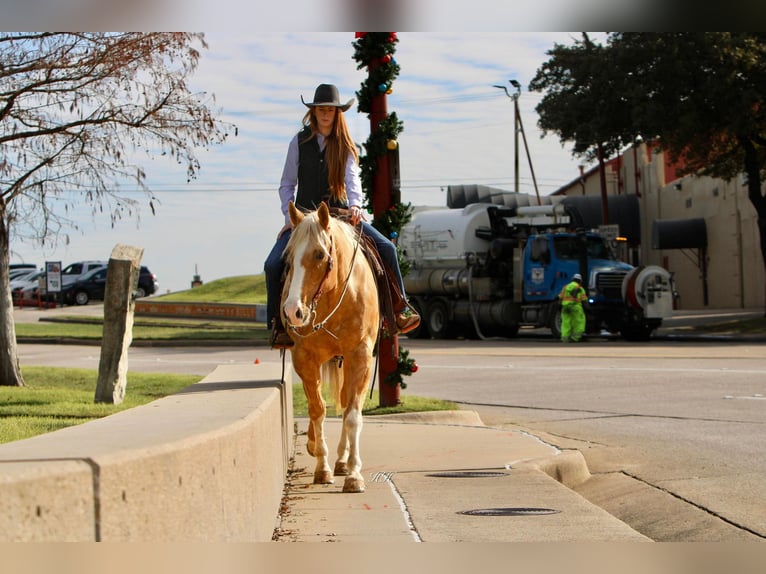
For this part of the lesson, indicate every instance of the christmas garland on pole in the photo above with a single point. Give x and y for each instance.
(375, 51)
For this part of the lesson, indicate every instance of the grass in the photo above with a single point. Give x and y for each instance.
(55, 398)
(243, 289)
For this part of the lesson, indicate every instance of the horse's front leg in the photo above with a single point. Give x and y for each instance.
(317, 445)
(341, 463)
(356, 383)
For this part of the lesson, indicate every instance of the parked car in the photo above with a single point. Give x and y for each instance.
(89, 286)
(74, 271)
(92, 286)
(147, 283)
(18, 279)
(20, 269)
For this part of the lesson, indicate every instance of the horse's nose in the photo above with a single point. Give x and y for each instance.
(294, 312)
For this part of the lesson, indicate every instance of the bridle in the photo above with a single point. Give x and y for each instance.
(315, 327)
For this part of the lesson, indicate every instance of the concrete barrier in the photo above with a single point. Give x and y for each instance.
(205, 464)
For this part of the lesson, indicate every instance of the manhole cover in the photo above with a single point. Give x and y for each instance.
(467, 474)
(509, 511)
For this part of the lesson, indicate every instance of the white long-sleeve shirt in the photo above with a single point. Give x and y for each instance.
(289, 182)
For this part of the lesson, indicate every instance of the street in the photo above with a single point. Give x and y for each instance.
(672, 431)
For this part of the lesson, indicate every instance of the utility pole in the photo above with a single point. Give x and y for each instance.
(518, 127)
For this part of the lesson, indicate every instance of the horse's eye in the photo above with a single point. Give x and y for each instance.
(319, 255)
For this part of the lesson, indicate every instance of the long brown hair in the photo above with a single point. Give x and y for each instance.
(338, 146)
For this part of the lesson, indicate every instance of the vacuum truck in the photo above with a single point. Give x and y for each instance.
(486, 270)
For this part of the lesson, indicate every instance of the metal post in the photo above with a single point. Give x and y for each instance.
(529, 158)
(518, 127)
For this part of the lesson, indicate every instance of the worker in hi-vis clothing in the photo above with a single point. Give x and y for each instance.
(572, 297)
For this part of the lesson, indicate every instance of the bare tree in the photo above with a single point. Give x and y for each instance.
(78, 113)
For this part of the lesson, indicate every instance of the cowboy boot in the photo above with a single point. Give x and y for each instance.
(406, 321)
(279, 338)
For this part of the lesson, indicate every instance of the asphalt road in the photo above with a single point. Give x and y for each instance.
(672, 430)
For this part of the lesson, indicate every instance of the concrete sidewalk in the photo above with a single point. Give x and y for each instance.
(444, 477)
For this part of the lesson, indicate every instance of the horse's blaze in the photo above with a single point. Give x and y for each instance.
(293, 308)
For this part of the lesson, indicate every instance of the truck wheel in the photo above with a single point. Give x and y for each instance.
(555, 323)
(438, 320)
(81, 298)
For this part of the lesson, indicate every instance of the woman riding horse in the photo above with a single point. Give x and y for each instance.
(322, 162)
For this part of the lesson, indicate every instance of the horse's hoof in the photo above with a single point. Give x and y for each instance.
(353, 484)
(341, 468)
(323, 477)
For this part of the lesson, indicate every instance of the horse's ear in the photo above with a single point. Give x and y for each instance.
(296, 216)
(324, 215)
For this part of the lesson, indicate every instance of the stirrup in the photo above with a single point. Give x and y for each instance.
(279, 338)
(407, 322)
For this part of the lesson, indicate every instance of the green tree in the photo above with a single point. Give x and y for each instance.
(77, 111)
(583, 102)
(709, 113)
(698, 95)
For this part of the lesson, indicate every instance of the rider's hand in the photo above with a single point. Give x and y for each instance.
(356, 214)
(285, 228)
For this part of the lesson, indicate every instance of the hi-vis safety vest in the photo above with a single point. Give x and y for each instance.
(572, 293)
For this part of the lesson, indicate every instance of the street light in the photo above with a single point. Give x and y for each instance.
(519, 127)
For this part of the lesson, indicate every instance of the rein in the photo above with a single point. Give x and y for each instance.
(320, 291)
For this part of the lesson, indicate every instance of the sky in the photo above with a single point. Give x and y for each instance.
(458, 129)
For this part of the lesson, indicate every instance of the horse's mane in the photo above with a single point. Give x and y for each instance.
(310, 230)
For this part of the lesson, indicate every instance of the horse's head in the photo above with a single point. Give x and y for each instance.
(309, 258)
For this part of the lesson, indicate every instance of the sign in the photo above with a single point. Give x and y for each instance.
(53, 276)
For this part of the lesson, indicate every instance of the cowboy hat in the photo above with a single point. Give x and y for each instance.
(327, 95)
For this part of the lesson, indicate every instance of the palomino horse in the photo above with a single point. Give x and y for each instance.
(330, 309)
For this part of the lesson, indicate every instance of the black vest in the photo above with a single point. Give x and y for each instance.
(313, 187)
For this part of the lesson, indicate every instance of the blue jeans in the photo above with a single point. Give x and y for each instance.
(275, 265)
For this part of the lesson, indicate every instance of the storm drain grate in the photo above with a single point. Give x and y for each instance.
(509, 511)
(467, 474)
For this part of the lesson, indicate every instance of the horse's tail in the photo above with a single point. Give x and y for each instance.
(332, 374)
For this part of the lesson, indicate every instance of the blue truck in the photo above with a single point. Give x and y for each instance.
(487, 270)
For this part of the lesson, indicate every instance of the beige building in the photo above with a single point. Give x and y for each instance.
(703, 230)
